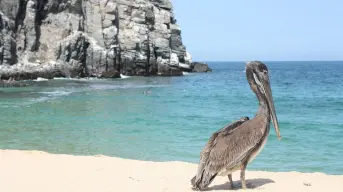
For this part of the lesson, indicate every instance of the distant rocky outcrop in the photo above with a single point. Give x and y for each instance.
(83, 38)
(200, 67)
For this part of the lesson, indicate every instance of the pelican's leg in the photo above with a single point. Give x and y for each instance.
(230, 179)
(244, 184)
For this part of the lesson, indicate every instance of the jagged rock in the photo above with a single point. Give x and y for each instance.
(169, 71)
(165, 4)
(79, 38)
(200, 67)
(11, 83)
(111, 74)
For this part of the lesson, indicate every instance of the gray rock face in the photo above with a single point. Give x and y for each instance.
(81, 38)
(200, 67)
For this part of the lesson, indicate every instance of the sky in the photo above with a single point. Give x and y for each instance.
(269, 30)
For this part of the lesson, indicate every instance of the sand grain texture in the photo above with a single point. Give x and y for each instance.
(34, 171)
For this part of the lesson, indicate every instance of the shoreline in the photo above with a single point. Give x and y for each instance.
(32, 71)
(42, 171)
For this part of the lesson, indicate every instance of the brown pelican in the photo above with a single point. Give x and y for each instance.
(231, 148)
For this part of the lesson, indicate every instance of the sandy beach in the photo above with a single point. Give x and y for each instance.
(35, 171)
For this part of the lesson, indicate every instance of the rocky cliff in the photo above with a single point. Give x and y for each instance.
(81, 38)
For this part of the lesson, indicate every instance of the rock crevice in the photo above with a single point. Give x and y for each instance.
(83, 38)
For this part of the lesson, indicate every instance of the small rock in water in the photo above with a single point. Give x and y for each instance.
(12, 83)
(111, 74)
(200, 67)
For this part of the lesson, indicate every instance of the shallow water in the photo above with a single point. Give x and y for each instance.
(177, 116)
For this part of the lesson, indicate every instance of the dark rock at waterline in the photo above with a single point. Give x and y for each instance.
(12, 83)
(29, 75)
(111, 74)
(175, 72)
(170, 71)
(200, 67)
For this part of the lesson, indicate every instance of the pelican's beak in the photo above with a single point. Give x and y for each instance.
(269, 96)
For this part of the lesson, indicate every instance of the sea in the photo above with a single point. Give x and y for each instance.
(172, 118)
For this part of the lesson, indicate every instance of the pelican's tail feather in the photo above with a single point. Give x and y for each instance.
(193, 180)
(203, 181)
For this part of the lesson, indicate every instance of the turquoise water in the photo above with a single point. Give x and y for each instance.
(174, 121)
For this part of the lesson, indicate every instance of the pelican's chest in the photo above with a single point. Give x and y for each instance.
(259, 147)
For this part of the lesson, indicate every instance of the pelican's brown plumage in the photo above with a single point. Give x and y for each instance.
(234, 146)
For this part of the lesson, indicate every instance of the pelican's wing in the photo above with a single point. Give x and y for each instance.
(205, 176)
(223, 131)
(230, 148)
(227, 129)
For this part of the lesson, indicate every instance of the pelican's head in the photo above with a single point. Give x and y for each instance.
(258, 78)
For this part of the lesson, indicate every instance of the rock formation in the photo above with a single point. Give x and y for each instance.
(82, 38)
(11, 83)
(200, 67)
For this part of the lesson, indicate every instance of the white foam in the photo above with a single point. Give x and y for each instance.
(8, 106)
(129, 86)
(37, 100)
(61, 78)
(185, 73)
(124, 76)
(49, 95)
(79, 79)
(56, 93)
(85, 79)
(41, 79)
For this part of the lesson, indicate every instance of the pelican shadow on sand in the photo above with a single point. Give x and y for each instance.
(251, 184)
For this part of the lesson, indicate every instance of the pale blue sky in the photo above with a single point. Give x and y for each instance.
(261, 29)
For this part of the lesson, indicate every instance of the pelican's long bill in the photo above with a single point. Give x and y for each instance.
(269, 96)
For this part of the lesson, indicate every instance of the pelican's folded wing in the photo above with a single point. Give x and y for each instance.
(203, 177)
(230, 148)
(223, 131)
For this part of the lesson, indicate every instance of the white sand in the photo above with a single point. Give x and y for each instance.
(34, 171)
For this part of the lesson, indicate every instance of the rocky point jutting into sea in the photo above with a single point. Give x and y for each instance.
(90, 38)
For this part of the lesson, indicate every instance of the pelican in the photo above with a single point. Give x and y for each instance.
(234, 146)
